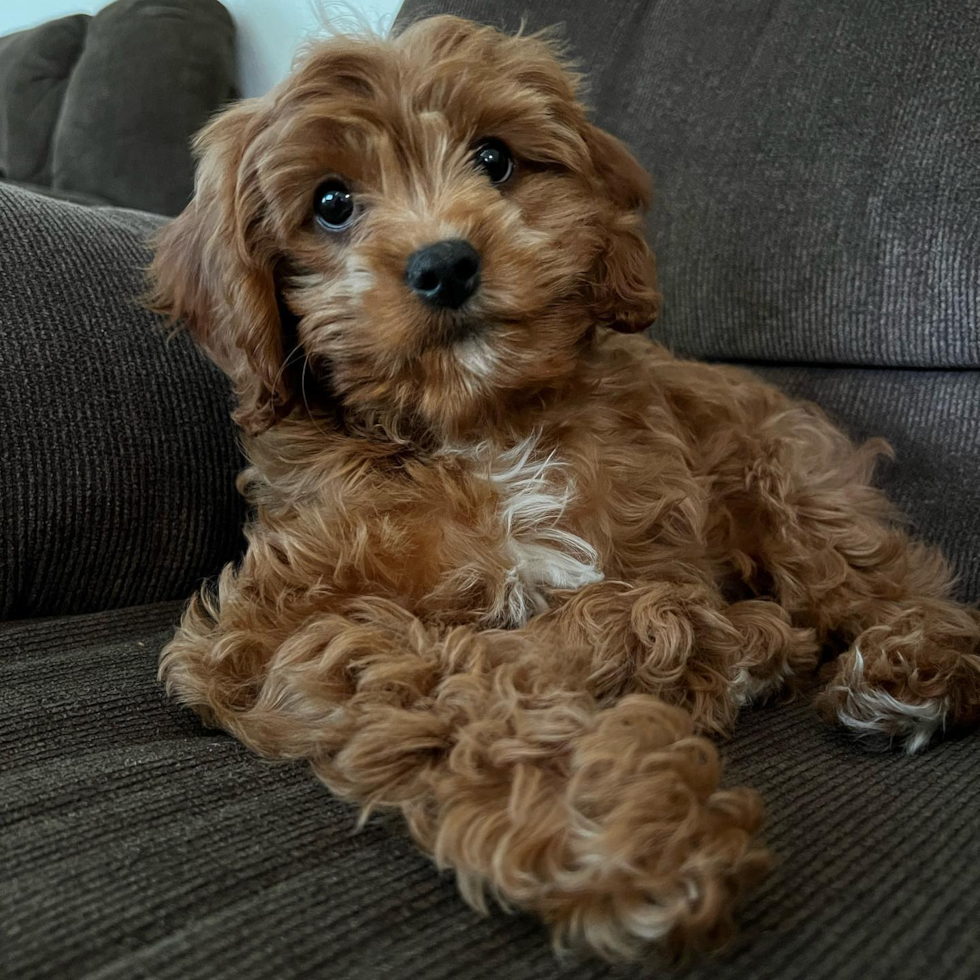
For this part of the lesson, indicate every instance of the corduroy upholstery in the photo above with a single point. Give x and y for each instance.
(117, 460)
(135, 843)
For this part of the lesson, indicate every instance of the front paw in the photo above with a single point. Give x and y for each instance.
(880, 706)
(773, 653)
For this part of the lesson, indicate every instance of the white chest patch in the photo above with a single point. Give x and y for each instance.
(533, 494)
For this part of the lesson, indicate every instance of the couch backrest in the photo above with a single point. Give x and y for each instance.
(106, 106)
(35, 66)
(817, 167)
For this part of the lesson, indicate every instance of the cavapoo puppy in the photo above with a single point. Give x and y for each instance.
(510, 562)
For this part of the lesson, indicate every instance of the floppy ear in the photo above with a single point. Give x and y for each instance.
(623, 291)
(214, 268)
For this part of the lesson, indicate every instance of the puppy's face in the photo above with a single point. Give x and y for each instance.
(428, 225)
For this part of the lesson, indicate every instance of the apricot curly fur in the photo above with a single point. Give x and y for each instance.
(509, 565)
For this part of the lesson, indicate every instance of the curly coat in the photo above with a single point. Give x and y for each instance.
(510, 564)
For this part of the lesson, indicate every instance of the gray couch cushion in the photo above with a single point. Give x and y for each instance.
(817, 167)
(151, 74)
(76, 197)
(105, 107)
(134, 843)
(34, 69)
(117, 459)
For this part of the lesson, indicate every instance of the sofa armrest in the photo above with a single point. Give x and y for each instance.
(117, 456)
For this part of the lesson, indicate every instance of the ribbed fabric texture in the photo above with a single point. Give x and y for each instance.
(117, 456)
(816, 165)
(135, 843)
(818, 183)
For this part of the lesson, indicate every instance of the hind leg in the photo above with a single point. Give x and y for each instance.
(910, 676)
(808, 527)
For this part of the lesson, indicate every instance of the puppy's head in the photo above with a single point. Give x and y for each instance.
(430, 222)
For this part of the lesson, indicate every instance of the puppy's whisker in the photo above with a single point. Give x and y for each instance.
(298, 349)
(306, 402)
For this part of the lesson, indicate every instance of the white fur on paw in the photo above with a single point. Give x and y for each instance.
(746, 688)
(868, 711)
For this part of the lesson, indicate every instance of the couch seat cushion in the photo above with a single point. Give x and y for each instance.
(136, 843)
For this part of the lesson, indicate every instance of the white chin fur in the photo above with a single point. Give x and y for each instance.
(868, 712)
(478, 357)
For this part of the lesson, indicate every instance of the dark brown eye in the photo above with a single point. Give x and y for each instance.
(334, 205)
(494, 158)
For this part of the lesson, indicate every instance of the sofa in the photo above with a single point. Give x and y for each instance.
(101, 109)
(817, 219)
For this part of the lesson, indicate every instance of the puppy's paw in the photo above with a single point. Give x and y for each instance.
(662, 854)
(773, 654)
(880, 707)
(909, 679)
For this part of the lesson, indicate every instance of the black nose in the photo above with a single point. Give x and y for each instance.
(445, 274)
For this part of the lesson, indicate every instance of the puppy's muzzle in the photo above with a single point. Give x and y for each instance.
(444, 275)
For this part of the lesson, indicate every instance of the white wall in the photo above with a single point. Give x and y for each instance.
(268, 30)
(15, 14)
